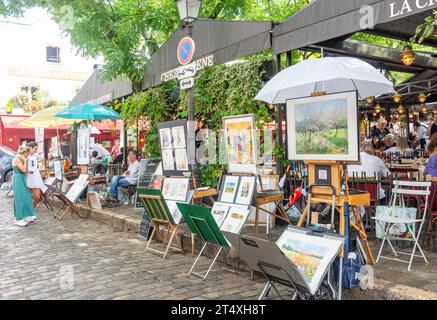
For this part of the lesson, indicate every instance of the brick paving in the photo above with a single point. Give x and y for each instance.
(35, 260)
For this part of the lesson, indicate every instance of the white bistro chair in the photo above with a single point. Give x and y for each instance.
(399, 214)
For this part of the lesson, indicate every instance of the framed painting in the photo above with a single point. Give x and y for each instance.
(175, 189)
(323, 127)
(241, 144)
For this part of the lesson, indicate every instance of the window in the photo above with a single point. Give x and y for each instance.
(53, 54)
(29, 90)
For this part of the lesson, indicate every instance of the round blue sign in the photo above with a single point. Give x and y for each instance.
(185, 50)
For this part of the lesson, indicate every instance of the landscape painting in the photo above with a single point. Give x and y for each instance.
(323, 128)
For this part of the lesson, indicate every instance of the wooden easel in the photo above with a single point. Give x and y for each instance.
(320, 193)
(160, 215)
(275, 198)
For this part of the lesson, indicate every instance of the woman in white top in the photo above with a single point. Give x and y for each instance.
(401, 147)
(34, 180)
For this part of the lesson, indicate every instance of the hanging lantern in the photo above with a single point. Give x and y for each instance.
(401, 109)
(422, 97)
(374, 114)
(271, 106)
(408, 56)
(378, 108)
(397, 97)
(369, 100)
(424, 108)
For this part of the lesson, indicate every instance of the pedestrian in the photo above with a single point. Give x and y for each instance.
(116, 148)
(431, 166)
(23, 208)
(34, 180)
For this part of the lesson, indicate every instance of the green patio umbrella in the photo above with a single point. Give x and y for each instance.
(88, 111)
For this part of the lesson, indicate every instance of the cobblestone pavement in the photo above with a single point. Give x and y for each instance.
(36, 262)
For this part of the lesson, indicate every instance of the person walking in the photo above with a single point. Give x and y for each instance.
(34, 180)
(23, 208)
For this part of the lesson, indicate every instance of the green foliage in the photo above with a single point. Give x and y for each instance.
(426, 29)
(210, 175)
(9, 107)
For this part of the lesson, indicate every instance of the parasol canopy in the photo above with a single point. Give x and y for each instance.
(46, 118)
(88, 111)
(330, 75)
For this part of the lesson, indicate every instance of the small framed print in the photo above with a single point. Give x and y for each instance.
(165, 138)
(167, 160)
(178, 137)
(219, 212)
(229, 189)
(245, 190)
(181, 159)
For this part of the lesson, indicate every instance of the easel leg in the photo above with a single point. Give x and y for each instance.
(303, 217)
(198, 257)
(265, 291)
(363, 235)
(255, 228)
(155, 227)
(169, 242)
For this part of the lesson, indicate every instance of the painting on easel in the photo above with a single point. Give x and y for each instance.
(241, 144)
(323, 127)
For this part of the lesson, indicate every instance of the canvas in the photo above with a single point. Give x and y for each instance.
(174, 211)
(58, 169)
(56, 152)
(241, 146)
(312, 255)
(93, 200)
(323, 127)
(156, 182)
(175, 189)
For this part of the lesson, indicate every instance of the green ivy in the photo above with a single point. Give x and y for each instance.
(220, 91)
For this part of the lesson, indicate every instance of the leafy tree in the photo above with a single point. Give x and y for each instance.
(9, 107)
(426, 29)
(21, 101)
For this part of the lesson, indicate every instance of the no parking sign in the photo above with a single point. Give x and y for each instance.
(185, 51)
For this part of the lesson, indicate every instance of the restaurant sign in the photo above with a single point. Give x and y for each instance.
(199, 64)
(403, 7)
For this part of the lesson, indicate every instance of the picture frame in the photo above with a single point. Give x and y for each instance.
(246, 190)
(83, 146)
(55, 146)
(220, 211)
(173, 142)
(241, 144)
(93, 200)
(175, 189)
(156, 182)
(229, 188)
(312, 255)
(179, 139)
(324, 127)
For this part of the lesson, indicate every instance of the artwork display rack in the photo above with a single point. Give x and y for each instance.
(203, 226)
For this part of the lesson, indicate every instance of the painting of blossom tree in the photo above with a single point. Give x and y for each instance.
(322, 128)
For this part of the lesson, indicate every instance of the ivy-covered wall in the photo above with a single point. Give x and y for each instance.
(220, 91)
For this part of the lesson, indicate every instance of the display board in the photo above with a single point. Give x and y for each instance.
(323, 127)
(56, 150)
(145, 225)
(58, 169)
(147, 169)
(173, 142)
(39, 139)
(241, 144)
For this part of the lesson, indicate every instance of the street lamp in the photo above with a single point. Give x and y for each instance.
(188, 10)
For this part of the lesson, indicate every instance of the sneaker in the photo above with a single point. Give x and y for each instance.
(21, 223)
(30, 219)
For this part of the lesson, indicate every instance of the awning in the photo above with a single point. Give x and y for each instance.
(216, 42)
(324, 20)
(97, 91)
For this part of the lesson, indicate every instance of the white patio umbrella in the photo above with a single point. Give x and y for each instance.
(330, 75)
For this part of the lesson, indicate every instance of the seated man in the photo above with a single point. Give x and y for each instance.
(95, 164)
(129, 178)
(370, 165)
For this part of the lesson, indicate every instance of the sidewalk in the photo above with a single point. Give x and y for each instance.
(392, 279)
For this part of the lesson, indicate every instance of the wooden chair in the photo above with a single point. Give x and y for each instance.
(69, 200)
(156, 207)
(50, 188)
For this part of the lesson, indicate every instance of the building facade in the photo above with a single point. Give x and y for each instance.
(35, 55)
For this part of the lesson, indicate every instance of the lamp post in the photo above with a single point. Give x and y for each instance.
(188, 13)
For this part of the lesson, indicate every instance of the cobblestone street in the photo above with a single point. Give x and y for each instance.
(36, 262)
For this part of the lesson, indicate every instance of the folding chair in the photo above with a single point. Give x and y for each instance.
(49, 189)
(157, 209)
(396, 216)
(69, 200)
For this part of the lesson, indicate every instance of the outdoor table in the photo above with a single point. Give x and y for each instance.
(275, 197)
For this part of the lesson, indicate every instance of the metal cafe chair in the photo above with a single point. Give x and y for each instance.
(398, 214)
